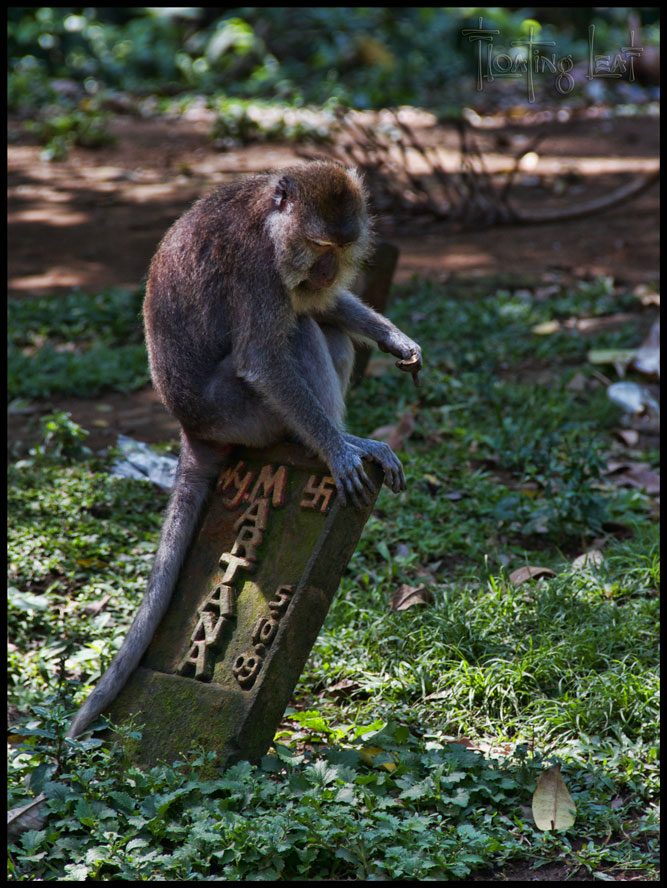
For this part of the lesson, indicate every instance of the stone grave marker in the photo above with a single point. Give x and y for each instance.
(251, 598)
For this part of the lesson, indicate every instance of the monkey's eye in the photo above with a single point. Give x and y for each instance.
(319, 242)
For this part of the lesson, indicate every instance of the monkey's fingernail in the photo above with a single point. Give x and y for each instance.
(415, 379)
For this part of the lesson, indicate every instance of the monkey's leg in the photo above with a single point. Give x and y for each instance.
(236, 414)
(198, 467)
(331, 388)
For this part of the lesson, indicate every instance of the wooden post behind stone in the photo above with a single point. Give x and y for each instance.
(373, 285)
(250, 601)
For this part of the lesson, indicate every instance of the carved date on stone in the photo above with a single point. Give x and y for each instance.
(248, 664)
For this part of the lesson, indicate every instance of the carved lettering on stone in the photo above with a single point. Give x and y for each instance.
(233, 563)
(240, 482)
(221, 599)
(322, 491)
(271, 482)
(257, 515)
(246, 543)
(195, 661)
(246, 668)
(247, 665)
(219, 607)
(215, 614)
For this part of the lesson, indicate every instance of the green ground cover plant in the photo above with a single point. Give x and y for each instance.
(416, 738)
(78, 344)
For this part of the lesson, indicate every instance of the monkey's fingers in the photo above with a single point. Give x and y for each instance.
(363, 487)
(413, 365)
(341, 493)
(382, 454)
(355, 492)
(391, 465)
(351, 487)
(393, 471)
(400, 480)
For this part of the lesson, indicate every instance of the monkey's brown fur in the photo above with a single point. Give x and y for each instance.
(248, 323)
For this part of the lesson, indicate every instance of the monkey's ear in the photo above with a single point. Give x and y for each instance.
(284, 193)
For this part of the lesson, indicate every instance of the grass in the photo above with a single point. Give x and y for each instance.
(423, 766)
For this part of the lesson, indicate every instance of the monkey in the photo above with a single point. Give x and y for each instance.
(249, 324)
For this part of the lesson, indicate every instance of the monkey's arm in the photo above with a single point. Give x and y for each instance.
(274, 374)
(362, 322)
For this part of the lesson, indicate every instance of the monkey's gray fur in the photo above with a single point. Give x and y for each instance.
(248, 322)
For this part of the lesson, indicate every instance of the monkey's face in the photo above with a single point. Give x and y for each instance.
(321, 231)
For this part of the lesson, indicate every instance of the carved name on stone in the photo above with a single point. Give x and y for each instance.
(218, 610)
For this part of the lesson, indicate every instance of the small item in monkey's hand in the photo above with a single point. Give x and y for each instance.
(408, 364)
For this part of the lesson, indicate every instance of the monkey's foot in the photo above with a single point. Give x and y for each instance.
(352, 482)
(382, 454)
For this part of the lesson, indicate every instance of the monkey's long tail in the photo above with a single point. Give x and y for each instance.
(186, 504)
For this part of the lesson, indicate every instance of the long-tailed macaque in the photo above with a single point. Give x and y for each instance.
(248, 322)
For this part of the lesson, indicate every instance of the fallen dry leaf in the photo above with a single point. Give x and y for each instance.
(546, 328)
(620, 531)
(623, 465)
(553, 807)
(382, 432)
(343, 689)
(629, 474)
(368, 754)
(591, 558)
(646, 295)
(25, 817)
(630, 437)
(530, 572)
(578, 383)
(93, 609)
(622, 356)
(409, 596)
(645, 478)
(396, 435)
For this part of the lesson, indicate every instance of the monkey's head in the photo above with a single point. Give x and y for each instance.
(318, 221)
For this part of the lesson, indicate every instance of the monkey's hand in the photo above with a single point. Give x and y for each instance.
(381, 453)
(410, 354)
(351, 479)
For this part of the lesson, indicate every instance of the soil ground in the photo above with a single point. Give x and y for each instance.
(95, 219)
